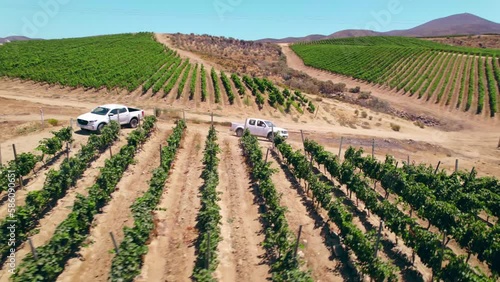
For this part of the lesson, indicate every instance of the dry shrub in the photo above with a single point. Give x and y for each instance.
(364, 95)
(395, 127)
(419, 124)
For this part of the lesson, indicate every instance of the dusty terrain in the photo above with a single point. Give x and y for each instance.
(473, 141)
(477, 41)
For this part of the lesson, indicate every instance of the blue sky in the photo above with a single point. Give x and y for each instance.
(244, 19)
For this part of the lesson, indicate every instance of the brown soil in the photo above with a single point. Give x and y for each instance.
(35, 182)
(171, 253)
(57, 214)
(473, 141)
(94, 261)
(240, 252)
(317, 251)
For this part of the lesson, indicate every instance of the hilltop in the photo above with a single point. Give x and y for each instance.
(460, 24)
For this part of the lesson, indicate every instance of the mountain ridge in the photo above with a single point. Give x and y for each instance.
(14, 38)
(463, 24)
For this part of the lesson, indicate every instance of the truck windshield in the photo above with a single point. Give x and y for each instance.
(100, 111)
(270, 124)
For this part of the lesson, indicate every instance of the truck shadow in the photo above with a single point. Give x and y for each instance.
(84, 132)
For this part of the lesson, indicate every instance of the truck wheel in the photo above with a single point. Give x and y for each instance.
(270, 136)
(100, 127)
(133, 123)
(239, 132)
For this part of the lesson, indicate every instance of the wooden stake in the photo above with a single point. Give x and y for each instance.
(340, 149)
(41, 116)
(456, 165)
(498, 146)
(303, 142)
(114, 242)
(442, 249)
(267, 154)
(272, 135)
(33, 250)
(297, 243)
(212, 118)
(15, 160)
(161, 155)
(14, 150)
(408, 161)
(373, 148)
(110, 152)
(437, 167)
(207, 259)
(472, 172)
(67, 150)
(378, 237)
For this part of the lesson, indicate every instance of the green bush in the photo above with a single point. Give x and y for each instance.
(53, 121)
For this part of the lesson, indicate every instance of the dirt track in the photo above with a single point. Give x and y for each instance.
(171, 252)
(240, 253)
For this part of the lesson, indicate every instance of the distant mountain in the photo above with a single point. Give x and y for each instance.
(460, 24)
(311, 37)
(13, 38)
(353, 33)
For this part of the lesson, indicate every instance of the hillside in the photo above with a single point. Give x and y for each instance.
(460, 24)
(210, 206)
(463, 24)
(490, 41)
(463, 78)
(140, 64)
(14, 38)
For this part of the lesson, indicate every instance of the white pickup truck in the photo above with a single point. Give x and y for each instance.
(258, 127)
(102, 115)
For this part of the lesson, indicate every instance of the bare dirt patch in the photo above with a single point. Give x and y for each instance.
(171, 253)
(240, 253)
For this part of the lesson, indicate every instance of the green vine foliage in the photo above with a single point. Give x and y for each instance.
(209, 217)
(73, 231)
(57, 183)
(279, 240)
(127, 263)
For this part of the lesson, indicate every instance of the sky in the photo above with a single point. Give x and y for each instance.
(243, 19)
